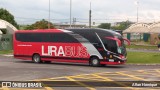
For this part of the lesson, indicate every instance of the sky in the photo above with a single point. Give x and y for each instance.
(103, 11)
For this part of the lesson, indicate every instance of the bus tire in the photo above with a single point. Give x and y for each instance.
(36, 58)
(95, 62)
(103, 65)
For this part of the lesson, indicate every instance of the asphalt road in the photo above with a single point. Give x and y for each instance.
(17, 70)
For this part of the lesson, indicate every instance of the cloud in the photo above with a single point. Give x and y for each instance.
(29, 11)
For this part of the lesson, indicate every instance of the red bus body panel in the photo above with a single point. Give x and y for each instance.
(57, 52)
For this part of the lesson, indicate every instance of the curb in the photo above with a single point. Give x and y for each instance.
(7, 55)
(143, 64)
(142, 49)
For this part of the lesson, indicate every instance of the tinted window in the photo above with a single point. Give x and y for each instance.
(109, 44)
(45, 37)
(79, 38)
(90, 36)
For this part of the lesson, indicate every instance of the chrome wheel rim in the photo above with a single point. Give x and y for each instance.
(36, 58)
(95, 61)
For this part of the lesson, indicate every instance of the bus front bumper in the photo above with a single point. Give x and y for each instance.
(113, 63)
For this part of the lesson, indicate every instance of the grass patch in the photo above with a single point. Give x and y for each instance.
(6, 51)
(141, 47)
(143, 57)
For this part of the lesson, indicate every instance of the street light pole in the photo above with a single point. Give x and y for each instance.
(49, 16)
(70, 13)
(137, 4)
(137, 11)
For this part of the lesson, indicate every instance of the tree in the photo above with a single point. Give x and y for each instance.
(105, 25)
(42, 24)
(122, 25)
(7, 16)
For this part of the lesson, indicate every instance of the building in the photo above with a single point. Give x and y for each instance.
(7, 26)
(6, 39)
(143, 31)
(63, 26)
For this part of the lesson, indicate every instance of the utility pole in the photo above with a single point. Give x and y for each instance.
(70, 13)
(49, 16)
(90, 16)
(74, 22)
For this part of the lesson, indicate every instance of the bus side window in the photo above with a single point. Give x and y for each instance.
(97, 44)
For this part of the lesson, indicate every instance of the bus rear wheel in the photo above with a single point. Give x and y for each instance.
(36, 58)
(94, 61)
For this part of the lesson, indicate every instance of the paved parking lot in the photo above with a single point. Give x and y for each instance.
(16, 70)
(79, 80)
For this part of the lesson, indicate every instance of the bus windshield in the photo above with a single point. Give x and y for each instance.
(114, 44)
(122, 48)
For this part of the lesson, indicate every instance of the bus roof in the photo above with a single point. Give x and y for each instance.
(39, 30)
(97, 30)
(69, 30)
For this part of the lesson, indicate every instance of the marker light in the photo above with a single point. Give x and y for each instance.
(111, 56)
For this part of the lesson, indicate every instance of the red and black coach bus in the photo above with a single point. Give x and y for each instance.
(94, 46)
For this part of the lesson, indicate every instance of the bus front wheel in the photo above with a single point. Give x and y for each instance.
(94, 61)
(36, 58)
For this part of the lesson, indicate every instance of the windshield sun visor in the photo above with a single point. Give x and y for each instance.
(115, 39)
